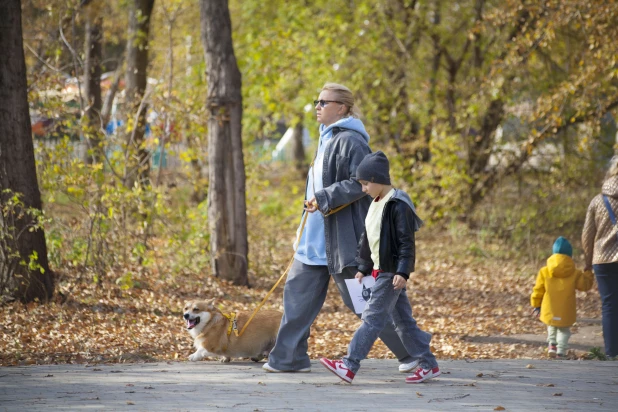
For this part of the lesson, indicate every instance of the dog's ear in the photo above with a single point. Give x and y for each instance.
(210, 303)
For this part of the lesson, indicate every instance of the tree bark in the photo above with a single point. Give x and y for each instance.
(298, 148)
(138, 166)
(92, 89)
(226, 191)
(18, 170)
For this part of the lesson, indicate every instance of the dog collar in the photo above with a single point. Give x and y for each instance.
(232, 326)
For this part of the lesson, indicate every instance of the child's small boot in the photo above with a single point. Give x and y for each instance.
(552, 350)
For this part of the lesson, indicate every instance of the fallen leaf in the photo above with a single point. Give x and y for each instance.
(529, 366)
(558, 394)
(130, 403)
(479, 375)
(419, 394)
(499, 408)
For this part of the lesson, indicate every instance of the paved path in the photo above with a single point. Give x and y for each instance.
(203, 386)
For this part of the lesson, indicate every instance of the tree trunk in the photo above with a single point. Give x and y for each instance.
(138, 165)
(106, 110)
(298, 148)
(18, 171)
(227, 214)
(92, 90)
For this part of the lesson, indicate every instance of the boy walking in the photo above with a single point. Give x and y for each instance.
(553, 296)
(387, 252)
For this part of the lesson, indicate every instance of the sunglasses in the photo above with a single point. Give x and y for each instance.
(323, 103)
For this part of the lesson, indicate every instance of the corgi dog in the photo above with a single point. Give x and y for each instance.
(215, 333)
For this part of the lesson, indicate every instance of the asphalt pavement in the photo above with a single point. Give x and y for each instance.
(475, 385)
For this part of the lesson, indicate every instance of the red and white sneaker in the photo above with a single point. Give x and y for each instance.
(421, 375)
(338, 368)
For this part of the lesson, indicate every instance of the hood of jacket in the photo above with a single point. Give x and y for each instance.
(560, 266)
(350, 123)
(610, 187)
(403, 196)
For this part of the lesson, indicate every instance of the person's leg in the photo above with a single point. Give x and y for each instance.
(562, 339)
(388, 334)
(551, 335)
(607, 283)
(303, 296)
(416, 341)
(375, 317)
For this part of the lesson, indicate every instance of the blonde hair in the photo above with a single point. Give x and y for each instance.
(345, 96)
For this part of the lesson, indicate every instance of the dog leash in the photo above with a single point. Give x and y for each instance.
(302, 227)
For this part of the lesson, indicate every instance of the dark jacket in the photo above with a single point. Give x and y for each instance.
(343, 229)
(397, 248)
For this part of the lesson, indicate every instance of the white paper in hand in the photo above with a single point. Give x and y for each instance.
(360, 292)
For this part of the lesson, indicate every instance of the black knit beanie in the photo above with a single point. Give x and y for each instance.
(374, 168)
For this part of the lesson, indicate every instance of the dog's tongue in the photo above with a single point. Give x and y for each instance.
(190, 323)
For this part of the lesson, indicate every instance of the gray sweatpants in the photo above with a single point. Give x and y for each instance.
(303, 296)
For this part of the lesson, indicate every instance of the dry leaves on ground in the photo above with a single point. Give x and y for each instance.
(455, 296)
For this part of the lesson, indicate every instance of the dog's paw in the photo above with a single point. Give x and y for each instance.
(225, 359)
(195, 357)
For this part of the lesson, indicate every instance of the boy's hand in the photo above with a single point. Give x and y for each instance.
(536, 312)
(359, 276)
(399, 282)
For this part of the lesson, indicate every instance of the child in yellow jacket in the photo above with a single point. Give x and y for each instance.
(553, 297)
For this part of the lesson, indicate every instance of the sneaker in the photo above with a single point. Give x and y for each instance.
(338, 368)
(422, 375)
(551, 350)
(270, 369)
(408, 367)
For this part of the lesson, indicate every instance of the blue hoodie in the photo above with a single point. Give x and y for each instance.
(311, 250)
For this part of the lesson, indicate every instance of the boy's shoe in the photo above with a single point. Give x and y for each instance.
(408, 367)
(338, 368)
(551, 350)
(561, 356)
(422, 375)
(270, 369)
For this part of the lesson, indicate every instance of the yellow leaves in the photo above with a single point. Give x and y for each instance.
(75, 190)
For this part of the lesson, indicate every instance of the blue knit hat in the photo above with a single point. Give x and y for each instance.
(563, 247)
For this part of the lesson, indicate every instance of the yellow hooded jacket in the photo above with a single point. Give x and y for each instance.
(555, 288)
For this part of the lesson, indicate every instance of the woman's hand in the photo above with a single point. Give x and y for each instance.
(399, 282)
(359, 276)
(311, 205)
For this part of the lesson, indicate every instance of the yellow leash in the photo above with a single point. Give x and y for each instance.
(302, 227)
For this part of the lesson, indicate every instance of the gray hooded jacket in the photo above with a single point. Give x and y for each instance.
(343, 228)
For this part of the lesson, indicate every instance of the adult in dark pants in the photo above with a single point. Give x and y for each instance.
(328, 243)
(600, 242)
